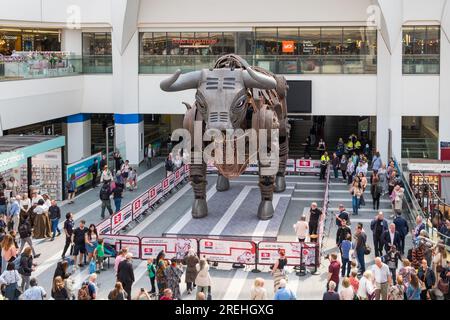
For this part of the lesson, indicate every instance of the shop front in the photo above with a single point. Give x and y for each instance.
(14, 39)
(35, 162)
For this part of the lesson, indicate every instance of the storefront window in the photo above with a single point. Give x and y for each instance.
(97, 52)
(29, 40)
(421, 49)
(286, 50)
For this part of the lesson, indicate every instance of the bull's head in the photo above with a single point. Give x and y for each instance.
(221, 95)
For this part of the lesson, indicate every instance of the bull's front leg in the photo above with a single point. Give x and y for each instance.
(266, 186)
(223, 183)
(198, 182)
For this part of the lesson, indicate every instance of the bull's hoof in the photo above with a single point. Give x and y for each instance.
(265, 210)
(280, 184)
(199, 209)
(223, 184)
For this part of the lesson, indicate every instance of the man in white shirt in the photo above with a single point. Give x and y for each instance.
(301, 229)
(382, 276)
(34, 292)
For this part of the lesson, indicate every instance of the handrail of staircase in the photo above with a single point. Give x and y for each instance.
(416, 210)
(326, 200)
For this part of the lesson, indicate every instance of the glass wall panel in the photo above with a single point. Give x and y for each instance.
(266, 41)
(420, 137)
(421, 49)
(97, 52)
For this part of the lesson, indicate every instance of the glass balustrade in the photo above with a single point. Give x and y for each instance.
(283, 64)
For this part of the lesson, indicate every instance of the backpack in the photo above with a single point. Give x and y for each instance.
(92, 267)
(83, 292)
(105, 192)
(24, 230)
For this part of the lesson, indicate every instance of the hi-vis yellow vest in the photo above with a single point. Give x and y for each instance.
(323, 158)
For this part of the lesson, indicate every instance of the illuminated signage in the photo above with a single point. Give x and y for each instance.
(287, 46)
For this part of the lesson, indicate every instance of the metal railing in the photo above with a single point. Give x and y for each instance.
(326, 201)
(415, 209)
(43, 66)
(287, 64)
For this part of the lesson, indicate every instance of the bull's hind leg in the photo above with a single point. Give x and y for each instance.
(280, 180)
(223, 184)
(198, 182)
(266, 186)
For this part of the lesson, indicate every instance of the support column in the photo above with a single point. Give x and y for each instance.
(444, 103)
(77, 129)
(130, 137)
(71, 41)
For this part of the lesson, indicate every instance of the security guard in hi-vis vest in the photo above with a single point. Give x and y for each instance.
(324, 161)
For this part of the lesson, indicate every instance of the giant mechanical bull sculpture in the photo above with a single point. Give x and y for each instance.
(232, 96)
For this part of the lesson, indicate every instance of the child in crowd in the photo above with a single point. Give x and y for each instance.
(99, 254)
(132, 179)
(151, 274)
(354, 282)
(391, 259)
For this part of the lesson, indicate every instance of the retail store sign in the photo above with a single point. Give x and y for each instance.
(287, 46)
(434, 167)
(10, 160)
(445, 150)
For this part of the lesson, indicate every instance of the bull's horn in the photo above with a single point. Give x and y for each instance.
(254, 79)
(188, 106)
(179, 82)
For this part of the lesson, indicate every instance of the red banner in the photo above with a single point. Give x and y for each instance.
(121, 219)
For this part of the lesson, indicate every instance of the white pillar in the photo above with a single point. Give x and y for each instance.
(71, 41)
(444, 103)
(77, 129)
(130, 137)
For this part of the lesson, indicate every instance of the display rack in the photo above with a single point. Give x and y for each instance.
(47, 178)
(417, 182)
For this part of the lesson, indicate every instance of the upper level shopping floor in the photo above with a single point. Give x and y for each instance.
(38, 53)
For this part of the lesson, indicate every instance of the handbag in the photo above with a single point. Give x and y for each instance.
(367, 250)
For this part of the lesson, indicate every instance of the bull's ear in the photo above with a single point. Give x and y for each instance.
(179, 82)
(254, 79)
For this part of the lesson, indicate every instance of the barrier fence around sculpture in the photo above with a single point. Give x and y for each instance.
(219, 251)
(215, 250)
(154, 194)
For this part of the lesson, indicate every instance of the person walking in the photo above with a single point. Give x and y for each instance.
(331, 293)
(94, 172)
(345, 248)
(26, 266)
(284, 293)
(203, 279)
(103, 163)
(343, 167)
(333, 271)
(34, 292)
(397, 196)
(342, 232)
(173, 275)
(390, 238)
(71, 187)
(151, 270)
(360, 246)
(413, 291)
(118, 293)
(366, 288)
(335, 162)
(10, 278)
(258, 292)
(376, 162)
(13, 214)
(106, 175)
(68, 231)
(278, 269)
(125, 274)
(307, 150)
(382, 175)
(59, 292)
(324, 161)
(9, 251)
(161, 265)
(378, 226)
(105, 197)
(54, 213)
(40, 229)
(340, 148)
(91, 241)
(350, 171)
(376, 191)
(301, 229)
(169, 164)
(427, 278)
(383, 277)
(356, 192)
(342, 215)
(346, 292)
(25, 233)
(391, 259)
(190, 260)
(78, 241)
(401, 225)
